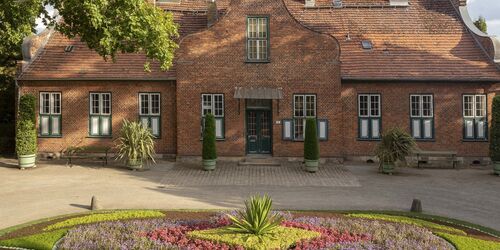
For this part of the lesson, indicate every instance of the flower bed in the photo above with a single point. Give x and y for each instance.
(205, 230)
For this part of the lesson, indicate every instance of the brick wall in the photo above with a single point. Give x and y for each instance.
(213, 61)
(75, 110)
(448, 120)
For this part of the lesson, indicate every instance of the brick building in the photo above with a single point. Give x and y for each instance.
(262, 67)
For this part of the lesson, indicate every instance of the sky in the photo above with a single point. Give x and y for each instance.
(489, 9)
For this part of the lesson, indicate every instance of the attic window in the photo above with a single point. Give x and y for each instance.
(366, 44)
(69, 48)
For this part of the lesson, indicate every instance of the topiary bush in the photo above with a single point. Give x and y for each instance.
(26, 129)
(495, 130)
(311, 146)
(209, 150)
(26, 138)
(27, 107)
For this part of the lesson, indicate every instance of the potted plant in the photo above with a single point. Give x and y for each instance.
(26, 138)
(135, 145)
(495, 135)
(311, 146)
(209, 153)
(395, 145)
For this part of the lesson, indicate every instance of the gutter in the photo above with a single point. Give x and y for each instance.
(99, 79)
(410, 79)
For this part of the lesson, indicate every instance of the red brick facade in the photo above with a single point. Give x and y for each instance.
(311, 51)
(124, 96)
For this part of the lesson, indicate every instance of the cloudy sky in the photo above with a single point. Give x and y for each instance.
(490, 9)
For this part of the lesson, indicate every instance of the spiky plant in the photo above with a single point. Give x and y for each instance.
(256, 218)
(135, 142)
(395, 145)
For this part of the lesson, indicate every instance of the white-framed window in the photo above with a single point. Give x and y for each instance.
(304, 106)
(100, 114)
(150, 112)
(257, 38)
(475, 117)
(213, 104)
(50, 114)
(369, 116)
(422, 116)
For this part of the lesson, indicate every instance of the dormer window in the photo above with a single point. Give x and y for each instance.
(258, 39)
(366, 44)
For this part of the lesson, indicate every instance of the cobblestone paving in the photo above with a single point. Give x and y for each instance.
(230, 174)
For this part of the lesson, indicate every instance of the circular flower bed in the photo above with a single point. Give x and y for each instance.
(333, 233)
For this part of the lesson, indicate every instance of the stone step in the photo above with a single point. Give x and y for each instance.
(259, 161)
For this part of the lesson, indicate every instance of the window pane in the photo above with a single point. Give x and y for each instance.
(415, 106)
(145, 122)
(262, 49)
(468, 106)
(322, 130)
(106, 104)
(481, 130)
(469, 128)
(480, 106)
(375, 128)
(56, 109)
(94, 102)
(155, 104)
(428, 128)
(94, 125)
(364, 128)
(155, 126)
(252, 32)
(44, 125)
(375, 105)
(416, 128)
(144, 104)
(427, 108)
(219, 128)
(263, 28)
(298, 128)
(219, 105)
(106, 125)
(45, 103)
(287, 127)
(206, 104)
(55, 125)
(363, 105)
(311, 106)
(299, 106)
(252, 49)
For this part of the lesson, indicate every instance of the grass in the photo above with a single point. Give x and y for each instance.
(109, 216)
(469, 243)
(412, 221)
(42, 241)
(279, 238)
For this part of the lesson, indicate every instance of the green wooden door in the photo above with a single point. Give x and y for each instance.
(259, 131)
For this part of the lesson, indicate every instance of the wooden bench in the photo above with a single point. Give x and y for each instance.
(447, 156)
(86, 152)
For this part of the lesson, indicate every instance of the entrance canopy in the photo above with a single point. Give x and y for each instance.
(258, 93)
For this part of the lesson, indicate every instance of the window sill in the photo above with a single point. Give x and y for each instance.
(49, 136)
(99, 137)
(257, 61)
(425, 140)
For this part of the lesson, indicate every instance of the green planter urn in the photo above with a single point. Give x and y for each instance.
(496, 167)
(311, 165)
(209, 165)
(27, 161)
(388, 168)
(134, 164)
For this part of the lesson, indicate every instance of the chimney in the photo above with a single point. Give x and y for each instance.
(310, 3)
(212, 13)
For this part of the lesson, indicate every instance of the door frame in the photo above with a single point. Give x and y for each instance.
(271, 123)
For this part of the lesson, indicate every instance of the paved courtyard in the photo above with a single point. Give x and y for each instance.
(55, 189)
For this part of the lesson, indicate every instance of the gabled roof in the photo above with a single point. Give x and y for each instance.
(423, 41)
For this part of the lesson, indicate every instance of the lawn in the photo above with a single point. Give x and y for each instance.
(147, 229)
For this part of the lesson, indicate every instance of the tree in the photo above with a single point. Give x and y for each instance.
(481, 24)
(495, 130)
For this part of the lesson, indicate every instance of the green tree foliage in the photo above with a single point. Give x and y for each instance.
(395, 145)
(120, 26)
(481, 24)
(495, 130)
(311, 146)
(26, 130)
(209, 149)
(27, 107)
